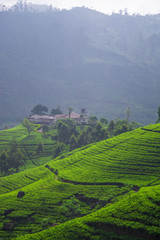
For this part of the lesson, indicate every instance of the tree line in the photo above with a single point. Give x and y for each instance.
(68, 136)
(40, 109)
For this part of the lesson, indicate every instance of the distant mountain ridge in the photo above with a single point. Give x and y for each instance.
(79, 58)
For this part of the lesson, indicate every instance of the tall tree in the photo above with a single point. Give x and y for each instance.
(58, 149)
(4, 163)
(104, 120)
(128, 114)
(70, 109)
(55, 111)
(12, 158)
(111, 127)
(45, 129)
(39, 110)
(92, 120)
(63, 132)
(73, 142)
(28, 125)
(82, 139)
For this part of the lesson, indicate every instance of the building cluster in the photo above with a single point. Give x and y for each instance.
(46, 119)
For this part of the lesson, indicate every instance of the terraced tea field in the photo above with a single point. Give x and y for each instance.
(132, 158)
(108, 190)
(134, 217)
(28, 144)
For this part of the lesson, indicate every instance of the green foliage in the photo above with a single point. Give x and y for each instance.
(118, 170)
(102, 134)
(15, 155)
(59, 148)
(71, 124)
(135, 217)
(70, 207)
(55, 111)
(45, 129)
(65, 128)
(28, 145)
(98, 127)
(92, 134)
(111, 127)
(63, 133)
(4, 161)
(99, 133)
(129, 150)
(28, 125)
(92, 120)
(73, 142)
(11, 158)
(39, 110)
(45, 223)
(121, 129)
(131, 159)
(121, 126)
(104, 120)
(133, 125)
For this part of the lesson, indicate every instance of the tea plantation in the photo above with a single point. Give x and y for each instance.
(106, 190)
(28, 144)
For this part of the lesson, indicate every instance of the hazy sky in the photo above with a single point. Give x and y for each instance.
(106, 6)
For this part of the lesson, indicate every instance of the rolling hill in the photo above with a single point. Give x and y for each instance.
(106, 190)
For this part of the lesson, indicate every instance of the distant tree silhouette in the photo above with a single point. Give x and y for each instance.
(128, 114)
(55, 111)
(39, 110)
(158, 112)
(111, 127)
(92, 120)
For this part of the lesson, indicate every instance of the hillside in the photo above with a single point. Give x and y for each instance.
(134, 218)
(28, 145)
(79, 58)
(110, 188)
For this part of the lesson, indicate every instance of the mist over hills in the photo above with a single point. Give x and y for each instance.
(79, 58)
